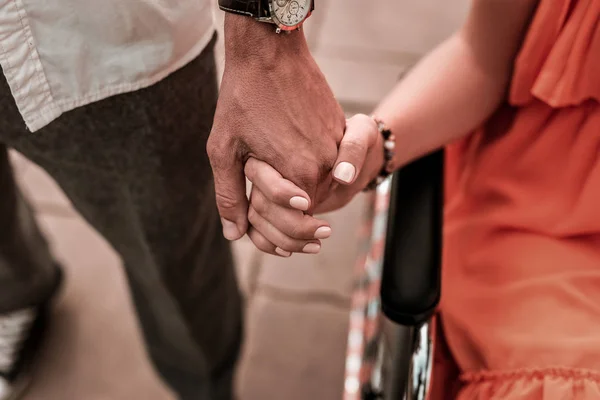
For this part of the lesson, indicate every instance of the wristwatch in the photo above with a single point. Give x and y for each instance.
(287, 15)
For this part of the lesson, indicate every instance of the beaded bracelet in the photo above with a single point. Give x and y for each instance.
(389, 144)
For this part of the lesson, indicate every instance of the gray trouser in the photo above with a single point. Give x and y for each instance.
(135, 167)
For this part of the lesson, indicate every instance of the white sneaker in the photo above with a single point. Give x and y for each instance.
(5, 390)
(15, 330)
(12, 391)
(21, 335)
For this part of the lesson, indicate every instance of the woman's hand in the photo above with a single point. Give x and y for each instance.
(279, 225)
(276, 213)
(360, 160)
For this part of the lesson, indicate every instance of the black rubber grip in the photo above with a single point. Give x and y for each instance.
(411, 279)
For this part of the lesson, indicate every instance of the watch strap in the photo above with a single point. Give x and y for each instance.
(249, 8)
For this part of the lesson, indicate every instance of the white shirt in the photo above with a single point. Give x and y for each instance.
(61, 54)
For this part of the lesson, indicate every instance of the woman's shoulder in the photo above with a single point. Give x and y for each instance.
(560, 57)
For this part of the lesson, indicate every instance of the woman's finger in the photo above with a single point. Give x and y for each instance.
(284, 244)
(361, 134)
(275, 187)
(292, 223)
(263, 244)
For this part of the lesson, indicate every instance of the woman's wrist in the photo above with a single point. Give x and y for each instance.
(387, 143)
(410, 141)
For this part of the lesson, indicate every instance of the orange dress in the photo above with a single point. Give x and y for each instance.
(520, 308)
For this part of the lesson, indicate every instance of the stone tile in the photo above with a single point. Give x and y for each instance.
(327, 274)
(362, 49)
(248, 263)
(313, 26)
(94, 349)
(390, 26)
(360, 84)
(294, 350)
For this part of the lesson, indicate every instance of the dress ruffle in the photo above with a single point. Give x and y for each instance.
(559, 62)
(538, 384)
(521, 279)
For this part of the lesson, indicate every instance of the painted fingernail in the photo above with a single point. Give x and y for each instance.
(299, 203)
(345, 172)
(282, 252)
(312, 248)
(323, 232)
(230, 230)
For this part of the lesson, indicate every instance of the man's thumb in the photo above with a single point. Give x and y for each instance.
(230, 190)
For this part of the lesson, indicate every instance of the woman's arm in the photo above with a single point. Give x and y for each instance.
(459, 84)
(449, 93)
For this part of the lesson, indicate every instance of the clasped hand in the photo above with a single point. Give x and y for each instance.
(278, 213)
(278, 123)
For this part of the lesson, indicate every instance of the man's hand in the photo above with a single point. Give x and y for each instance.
(278, 224)
(274, 106)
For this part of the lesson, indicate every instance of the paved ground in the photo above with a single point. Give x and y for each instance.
(297, 308)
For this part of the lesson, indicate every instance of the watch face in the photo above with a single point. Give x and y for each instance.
(290, 12)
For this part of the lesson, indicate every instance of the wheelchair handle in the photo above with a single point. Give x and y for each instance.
(411, 277)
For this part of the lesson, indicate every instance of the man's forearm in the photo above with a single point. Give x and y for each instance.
(247, 40)
(275, 106)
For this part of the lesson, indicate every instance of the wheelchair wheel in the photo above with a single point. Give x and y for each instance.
(366, 354)
(391, 357)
